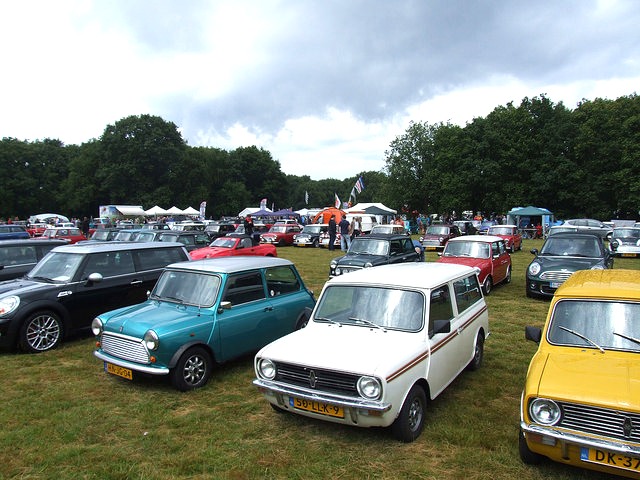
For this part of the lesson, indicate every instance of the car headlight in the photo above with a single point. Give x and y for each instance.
(151, 340)
(597, 267)
(534, 268)
(333, 264)
(267, 368)
(544, 411)
(97, 326)
(9, 304)
(369, 388)
(441, 240)
(368, 264)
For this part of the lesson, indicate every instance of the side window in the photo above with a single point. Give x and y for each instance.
(495, 248)
(202, 239)
(395, 247)
(281, 280)
(408, 246)
(17, 255)
(108, 264)
(467, 292)
(440, 307)
(245, 243)
(244, 288)
(154, 258)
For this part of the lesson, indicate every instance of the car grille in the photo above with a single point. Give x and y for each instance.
(601, 421)
(430, 243)
(555, 276)
(318, 379)
(125, 348)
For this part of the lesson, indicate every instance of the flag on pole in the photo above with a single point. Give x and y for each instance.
(203, 208)
(337, 202)
(359, 186)
(263, 204)
(352, 194)
(306, 197)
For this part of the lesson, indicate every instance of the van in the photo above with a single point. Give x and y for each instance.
(367, 221)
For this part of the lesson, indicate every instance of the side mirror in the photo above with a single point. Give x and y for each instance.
(533, 333)
(94, 278)
(225, 305)
(534, 251)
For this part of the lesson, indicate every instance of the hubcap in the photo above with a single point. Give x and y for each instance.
(194, 370)
(43, 333)
(415, 414)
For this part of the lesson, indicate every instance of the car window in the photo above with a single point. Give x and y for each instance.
(18, 255)
(281, 280)
(191, 288)
(108, 264)
(244, 288)
(440, 307)
(153, 258)
(467, 292)
(246, 243)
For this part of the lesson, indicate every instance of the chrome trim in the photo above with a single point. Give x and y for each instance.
(313, 396)
(582, 440)
(131, 365)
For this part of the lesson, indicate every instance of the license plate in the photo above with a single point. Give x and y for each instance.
(555, 284)
(602, 457)
(430, 248)
(628, 254)
(119, 371)
(316, 407)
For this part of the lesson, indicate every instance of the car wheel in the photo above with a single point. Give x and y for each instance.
(487, 285)
(478, 353)
(527, 456)
(408, 426)
(281, 243)
(507, 279)
(192, 370)
(42, 331)
(316, 244)
(302, 322)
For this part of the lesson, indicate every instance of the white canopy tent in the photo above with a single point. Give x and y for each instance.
(174, 211)
(155, 211)
(190, 211)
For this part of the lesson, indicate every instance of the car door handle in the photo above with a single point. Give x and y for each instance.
(136, 282)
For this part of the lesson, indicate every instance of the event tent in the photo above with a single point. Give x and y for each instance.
(190, 211)
(155, 211)
(381, 209)
(523, 216)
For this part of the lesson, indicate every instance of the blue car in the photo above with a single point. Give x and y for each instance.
(201, 313)
(13, 232)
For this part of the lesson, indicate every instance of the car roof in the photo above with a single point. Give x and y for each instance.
(406, 275)
(382, 236)
(608, 283)
(477, 238)
(231, 264)
(93, 247)
(504, 225)
(32, 241)
(579, 234)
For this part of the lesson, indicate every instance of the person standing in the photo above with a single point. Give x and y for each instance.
(332, 232)
(84, 226)
(345, 234)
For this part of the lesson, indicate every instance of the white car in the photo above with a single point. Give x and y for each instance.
(380, 342)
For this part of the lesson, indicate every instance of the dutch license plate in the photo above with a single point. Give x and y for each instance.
(602, 457)
(316, 407)
(628, 254)
(430, 248)
(119, 371)
(555, 284)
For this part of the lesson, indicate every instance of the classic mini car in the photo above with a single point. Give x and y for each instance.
(486, 253)
(188, 227)
(146, 235)
(281, 234)
(215, 230)
(69, 234)
(200, 313)
(437, 236)
(627, 241)
(324, 239)
(17, 257)
(72, 284)
(310, 235)
(510, 234)
(389, 229)
(380, 342)
(581, 400)
(190, 240)
(232, 245)
(37, 229)
(373, 250)
(104, 234)
(13, 232)
(560, 256)
(588, 225)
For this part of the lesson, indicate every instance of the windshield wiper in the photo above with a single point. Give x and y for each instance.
(586, 339)
(44, 279)
(367, 322)
(324, 319)
(175, 299)
(631, 339)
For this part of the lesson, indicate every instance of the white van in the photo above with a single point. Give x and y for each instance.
(367, 222)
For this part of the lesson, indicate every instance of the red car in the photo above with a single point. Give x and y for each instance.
(37, 229)
(437, 236)
(71, 235)
(233, 245)
(512, 238)
(281, 234)
(487, 253)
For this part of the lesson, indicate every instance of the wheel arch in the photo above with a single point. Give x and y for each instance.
(183, 348)
(43, 305)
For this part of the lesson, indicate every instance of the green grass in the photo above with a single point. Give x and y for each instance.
(64, 418)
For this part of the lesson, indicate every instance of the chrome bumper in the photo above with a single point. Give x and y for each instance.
(131, 365)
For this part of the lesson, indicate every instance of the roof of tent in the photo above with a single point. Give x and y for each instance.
(156, 210)
(529, 211)
(130, 210)
(175, 211)
(190, 211)
(253, 211)
(360, 208)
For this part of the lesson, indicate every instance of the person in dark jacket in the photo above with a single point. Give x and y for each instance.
(332, 232)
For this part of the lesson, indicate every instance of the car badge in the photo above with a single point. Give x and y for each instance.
(627, 427)
(312, 379)
(121, 328)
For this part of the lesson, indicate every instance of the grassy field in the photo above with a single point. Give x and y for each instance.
(64, 418)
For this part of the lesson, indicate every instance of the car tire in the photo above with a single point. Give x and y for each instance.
(507, 279)
(478, 353)
(487, 285)
(41, 331)
(410, 422)
(316, 244)
(192, 370)
(527, 456)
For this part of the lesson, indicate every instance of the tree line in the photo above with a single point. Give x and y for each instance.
(581, 162)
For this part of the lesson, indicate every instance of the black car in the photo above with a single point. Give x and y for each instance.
(74, 283)
(17, 257)
(373, 250)
(215, 230)
(310, 235)
(191, 240)
(560, 256)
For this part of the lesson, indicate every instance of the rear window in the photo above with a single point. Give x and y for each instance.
(153, 258)
(18, 255)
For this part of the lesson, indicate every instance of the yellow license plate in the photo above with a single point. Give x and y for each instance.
(430, 248)
(628, 254)
(316, 407)
(119, 371)
(602, 457)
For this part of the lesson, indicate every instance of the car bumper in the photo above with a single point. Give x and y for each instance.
(541, 288)
(628, 251)
(137, 367)
(357, 412)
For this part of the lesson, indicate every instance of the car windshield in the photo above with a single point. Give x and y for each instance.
(437, 230)
(100, 235)
(362, 245)
(626, 233)
(145, 237)
(382, 229)
(223, 242)
(501, 231)
(278, 229)
(597, 324)
(190, 288)
(57, 267)
(572, 247)
(311, 229)
(372, 306)
(467, 249)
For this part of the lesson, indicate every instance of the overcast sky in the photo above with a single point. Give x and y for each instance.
(324, 85)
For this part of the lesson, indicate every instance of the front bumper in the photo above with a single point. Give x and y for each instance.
(151, 370)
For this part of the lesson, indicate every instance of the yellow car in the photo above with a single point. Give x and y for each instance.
(581, 401)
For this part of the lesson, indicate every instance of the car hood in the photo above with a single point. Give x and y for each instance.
(210, 252)
(360, 259)
(356, 349)
(159, 316)
(568, 263)
(606, 379)
(468, 261)
(20, 286)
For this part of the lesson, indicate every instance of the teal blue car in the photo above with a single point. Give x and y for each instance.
(202, 313)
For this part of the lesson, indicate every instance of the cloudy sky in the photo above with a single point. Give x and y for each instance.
(324, 85)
